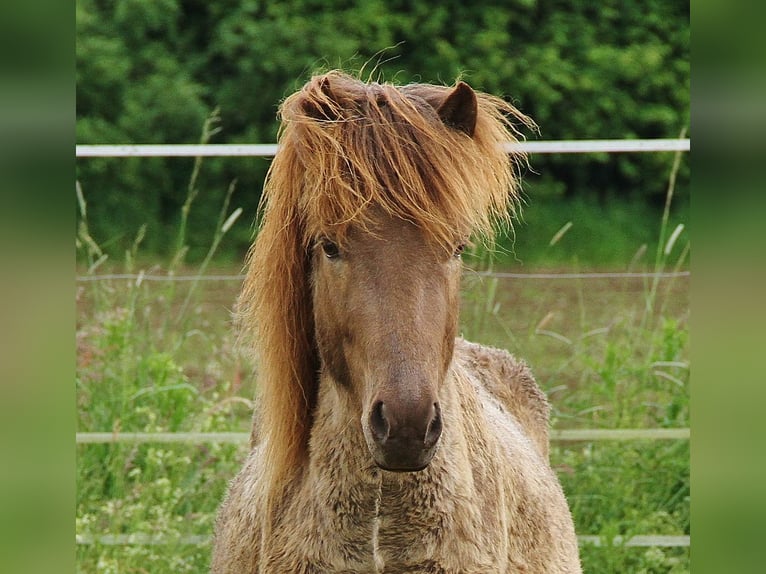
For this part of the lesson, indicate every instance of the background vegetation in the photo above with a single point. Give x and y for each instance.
(152, 71)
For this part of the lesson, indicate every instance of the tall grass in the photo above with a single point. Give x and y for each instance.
(161, 357)
(154, 357)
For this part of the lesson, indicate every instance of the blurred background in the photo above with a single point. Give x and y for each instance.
(153, 71)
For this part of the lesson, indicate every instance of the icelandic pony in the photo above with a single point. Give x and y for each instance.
(382, 442)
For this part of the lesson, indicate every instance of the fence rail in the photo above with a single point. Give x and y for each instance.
(563, 435)
(203, 540)
(493, 274)
(268, 150)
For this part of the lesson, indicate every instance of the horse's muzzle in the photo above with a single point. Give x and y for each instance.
(403, 440)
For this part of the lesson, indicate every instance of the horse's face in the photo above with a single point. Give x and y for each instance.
(386, 306)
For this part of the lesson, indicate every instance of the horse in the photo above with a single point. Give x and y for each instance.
(382, 441)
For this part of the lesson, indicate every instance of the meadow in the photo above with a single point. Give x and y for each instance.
(162, 356)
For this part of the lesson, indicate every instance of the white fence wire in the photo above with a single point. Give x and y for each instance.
(268, 150)
(139, 539)
(140, 277)
(562, 435)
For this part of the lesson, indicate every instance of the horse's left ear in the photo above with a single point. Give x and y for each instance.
(320, 102)
(459, 108)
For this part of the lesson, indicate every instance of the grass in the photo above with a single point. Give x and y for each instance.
(151, 356)
(592, 235)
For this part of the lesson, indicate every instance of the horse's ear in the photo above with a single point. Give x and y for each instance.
(459, 108)
(320, 103)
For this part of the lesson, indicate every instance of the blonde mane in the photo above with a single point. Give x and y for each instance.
(346, 147)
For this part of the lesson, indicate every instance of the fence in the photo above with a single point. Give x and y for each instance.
(639, 541)
(562, 435)
(140, 277)
(267, 150)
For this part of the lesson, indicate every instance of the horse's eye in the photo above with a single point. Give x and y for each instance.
(330, 250)
(459, 250)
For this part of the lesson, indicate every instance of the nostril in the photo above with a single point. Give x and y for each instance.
(379, 425)
(434, 430)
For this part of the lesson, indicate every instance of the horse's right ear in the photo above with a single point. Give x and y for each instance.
(319, 102)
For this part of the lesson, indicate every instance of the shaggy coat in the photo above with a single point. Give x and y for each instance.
(351, 297)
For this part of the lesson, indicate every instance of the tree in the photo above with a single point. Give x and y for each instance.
(153, 70)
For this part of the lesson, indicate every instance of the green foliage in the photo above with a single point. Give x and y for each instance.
(151, 71)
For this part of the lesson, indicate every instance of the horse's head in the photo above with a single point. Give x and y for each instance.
(386, 307)
(354, 271)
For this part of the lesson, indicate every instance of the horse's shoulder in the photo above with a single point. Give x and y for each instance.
(512, 383)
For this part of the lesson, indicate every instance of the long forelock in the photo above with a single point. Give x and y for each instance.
(385, 147)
